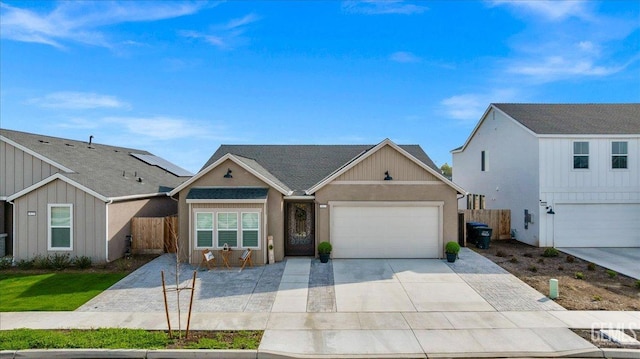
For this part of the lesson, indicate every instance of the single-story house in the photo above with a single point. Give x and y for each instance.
(569, 173)
(65, 196)
(368, 201)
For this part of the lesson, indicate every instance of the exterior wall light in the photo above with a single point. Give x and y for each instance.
(550, 210)
(228, 175)
(387, 177)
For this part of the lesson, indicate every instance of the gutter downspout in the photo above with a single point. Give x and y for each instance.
(13, 233)
(106, 230)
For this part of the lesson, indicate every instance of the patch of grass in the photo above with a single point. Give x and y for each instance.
(579, 275)
(533, 269)
(591, 266)
(52, 291)
(550, 252)
(597, 298)
(121, 338)
(540, 260)
(638, 284)
(612, 273)
(571, 259)
(514, 260)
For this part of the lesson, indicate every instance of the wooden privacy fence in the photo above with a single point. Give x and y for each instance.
(153, 234)
(497, 219)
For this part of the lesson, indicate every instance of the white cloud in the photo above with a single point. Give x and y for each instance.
(79, 101)
(79, 21)
(469, 107)
(224, 36)
(381, 7)
(404, 57)
(549, 9)
(167, 128)
(558, 67)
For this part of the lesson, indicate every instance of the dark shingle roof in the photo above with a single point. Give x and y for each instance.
(579, 119)
(228, 193)
(108, 170)
(300, 167)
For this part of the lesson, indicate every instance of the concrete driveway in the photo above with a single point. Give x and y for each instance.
(300, 285)
(622, 260)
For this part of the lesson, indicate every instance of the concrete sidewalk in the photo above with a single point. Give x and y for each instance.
(406, 334)
(622, 260)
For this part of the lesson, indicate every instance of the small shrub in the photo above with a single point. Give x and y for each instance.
(41, 262)
(83, 262)
(571, 259)
(452, 247)
(596, 298)
(579, 275)
(5, 262)
(591, 266)
(533, 269)
(501, 253)
(550, 252)
(560, 268)
(514, 260)
(60, 261)
(638, 284)
(540, 260)
(324, 248)
(25, 264)
(612, 273)
(528, 255)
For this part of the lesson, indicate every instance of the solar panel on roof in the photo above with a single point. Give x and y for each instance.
(162, 163)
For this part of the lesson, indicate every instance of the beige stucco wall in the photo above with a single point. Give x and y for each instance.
(241, 178)
(89, 217)
(120, 214)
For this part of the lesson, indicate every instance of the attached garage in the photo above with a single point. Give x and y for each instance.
(597, 225)
(386, 229)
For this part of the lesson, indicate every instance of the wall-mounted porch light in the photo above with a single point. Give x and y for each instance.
(550, 210)
(228, 175)
(387, 177)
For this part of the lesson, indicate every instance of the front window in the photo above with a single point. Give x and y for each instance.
(227, 229)
(60, 227)
(619, 155)
(581, 155)
(204, 230)
(250, 229)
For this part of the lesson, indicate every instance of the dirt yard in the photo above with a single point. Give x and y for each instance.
(599, 289)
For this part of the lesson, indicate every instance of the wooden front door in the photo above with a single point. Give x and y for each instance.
(299, 231)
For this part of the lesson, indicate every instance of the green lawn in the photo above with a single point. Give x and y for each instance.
(120, 338)
(51, 291)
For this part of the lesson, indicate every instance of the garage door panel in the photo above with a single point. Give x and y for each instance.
(597, 225)
(385, 232)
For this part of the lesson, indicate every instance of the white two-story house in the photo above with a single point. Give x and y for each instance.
(569, 173)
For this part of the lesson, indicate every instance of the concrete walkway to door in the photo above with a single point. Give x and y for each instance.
(622, 260)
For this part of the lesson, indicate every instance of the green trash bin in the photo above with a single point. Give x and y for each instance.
(484, 237)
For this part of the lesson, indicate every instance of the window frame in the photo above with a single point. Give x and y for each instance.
(242, 230)
(50, 226)
(213, 229)
(484, 164)
(575, 155)
(620, 155)
(217, 230)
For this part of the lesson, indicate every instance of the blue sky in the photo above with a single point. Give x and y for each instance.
(180, 78)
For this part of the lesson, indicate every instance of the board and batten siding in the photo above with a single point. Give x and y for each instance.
(89, 227)
(386, 159)
(560, 183)
(20, 169)
(511, 179)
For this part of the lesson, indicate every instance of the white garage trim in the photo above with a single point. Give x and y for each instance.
(596, 224)
(365, 244)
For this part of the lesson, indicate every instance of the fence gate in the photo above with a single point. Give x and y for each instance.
(154, 235)
(498, 219)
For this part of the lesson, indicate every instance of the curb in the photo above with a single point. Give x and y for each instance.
(129, 353)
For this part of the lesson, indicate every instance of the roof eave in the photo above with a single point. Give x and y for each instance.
(57, 176)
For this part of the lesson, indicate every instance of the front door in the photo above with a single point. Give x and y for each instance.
(299, 231)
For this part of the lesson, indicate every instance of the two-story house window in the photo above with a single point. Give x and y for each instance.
(619, 154)
(580, 155)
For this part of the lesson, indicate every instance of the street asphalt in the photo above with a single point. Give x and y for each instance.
(373, 308)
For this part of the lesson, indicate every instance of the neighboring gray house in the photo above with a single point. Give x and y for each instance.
(569, 173)
(64, 196)
(369, 201)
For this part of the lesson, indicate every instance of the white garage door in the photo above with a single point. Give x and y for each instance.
(385, 231)
(597, 225)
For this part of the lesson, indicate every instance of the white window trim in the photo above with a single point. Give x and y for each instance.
(612, 154)
(573, 156)
(49, 227)
(217, 229)
(241, 239)
(195, 229)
